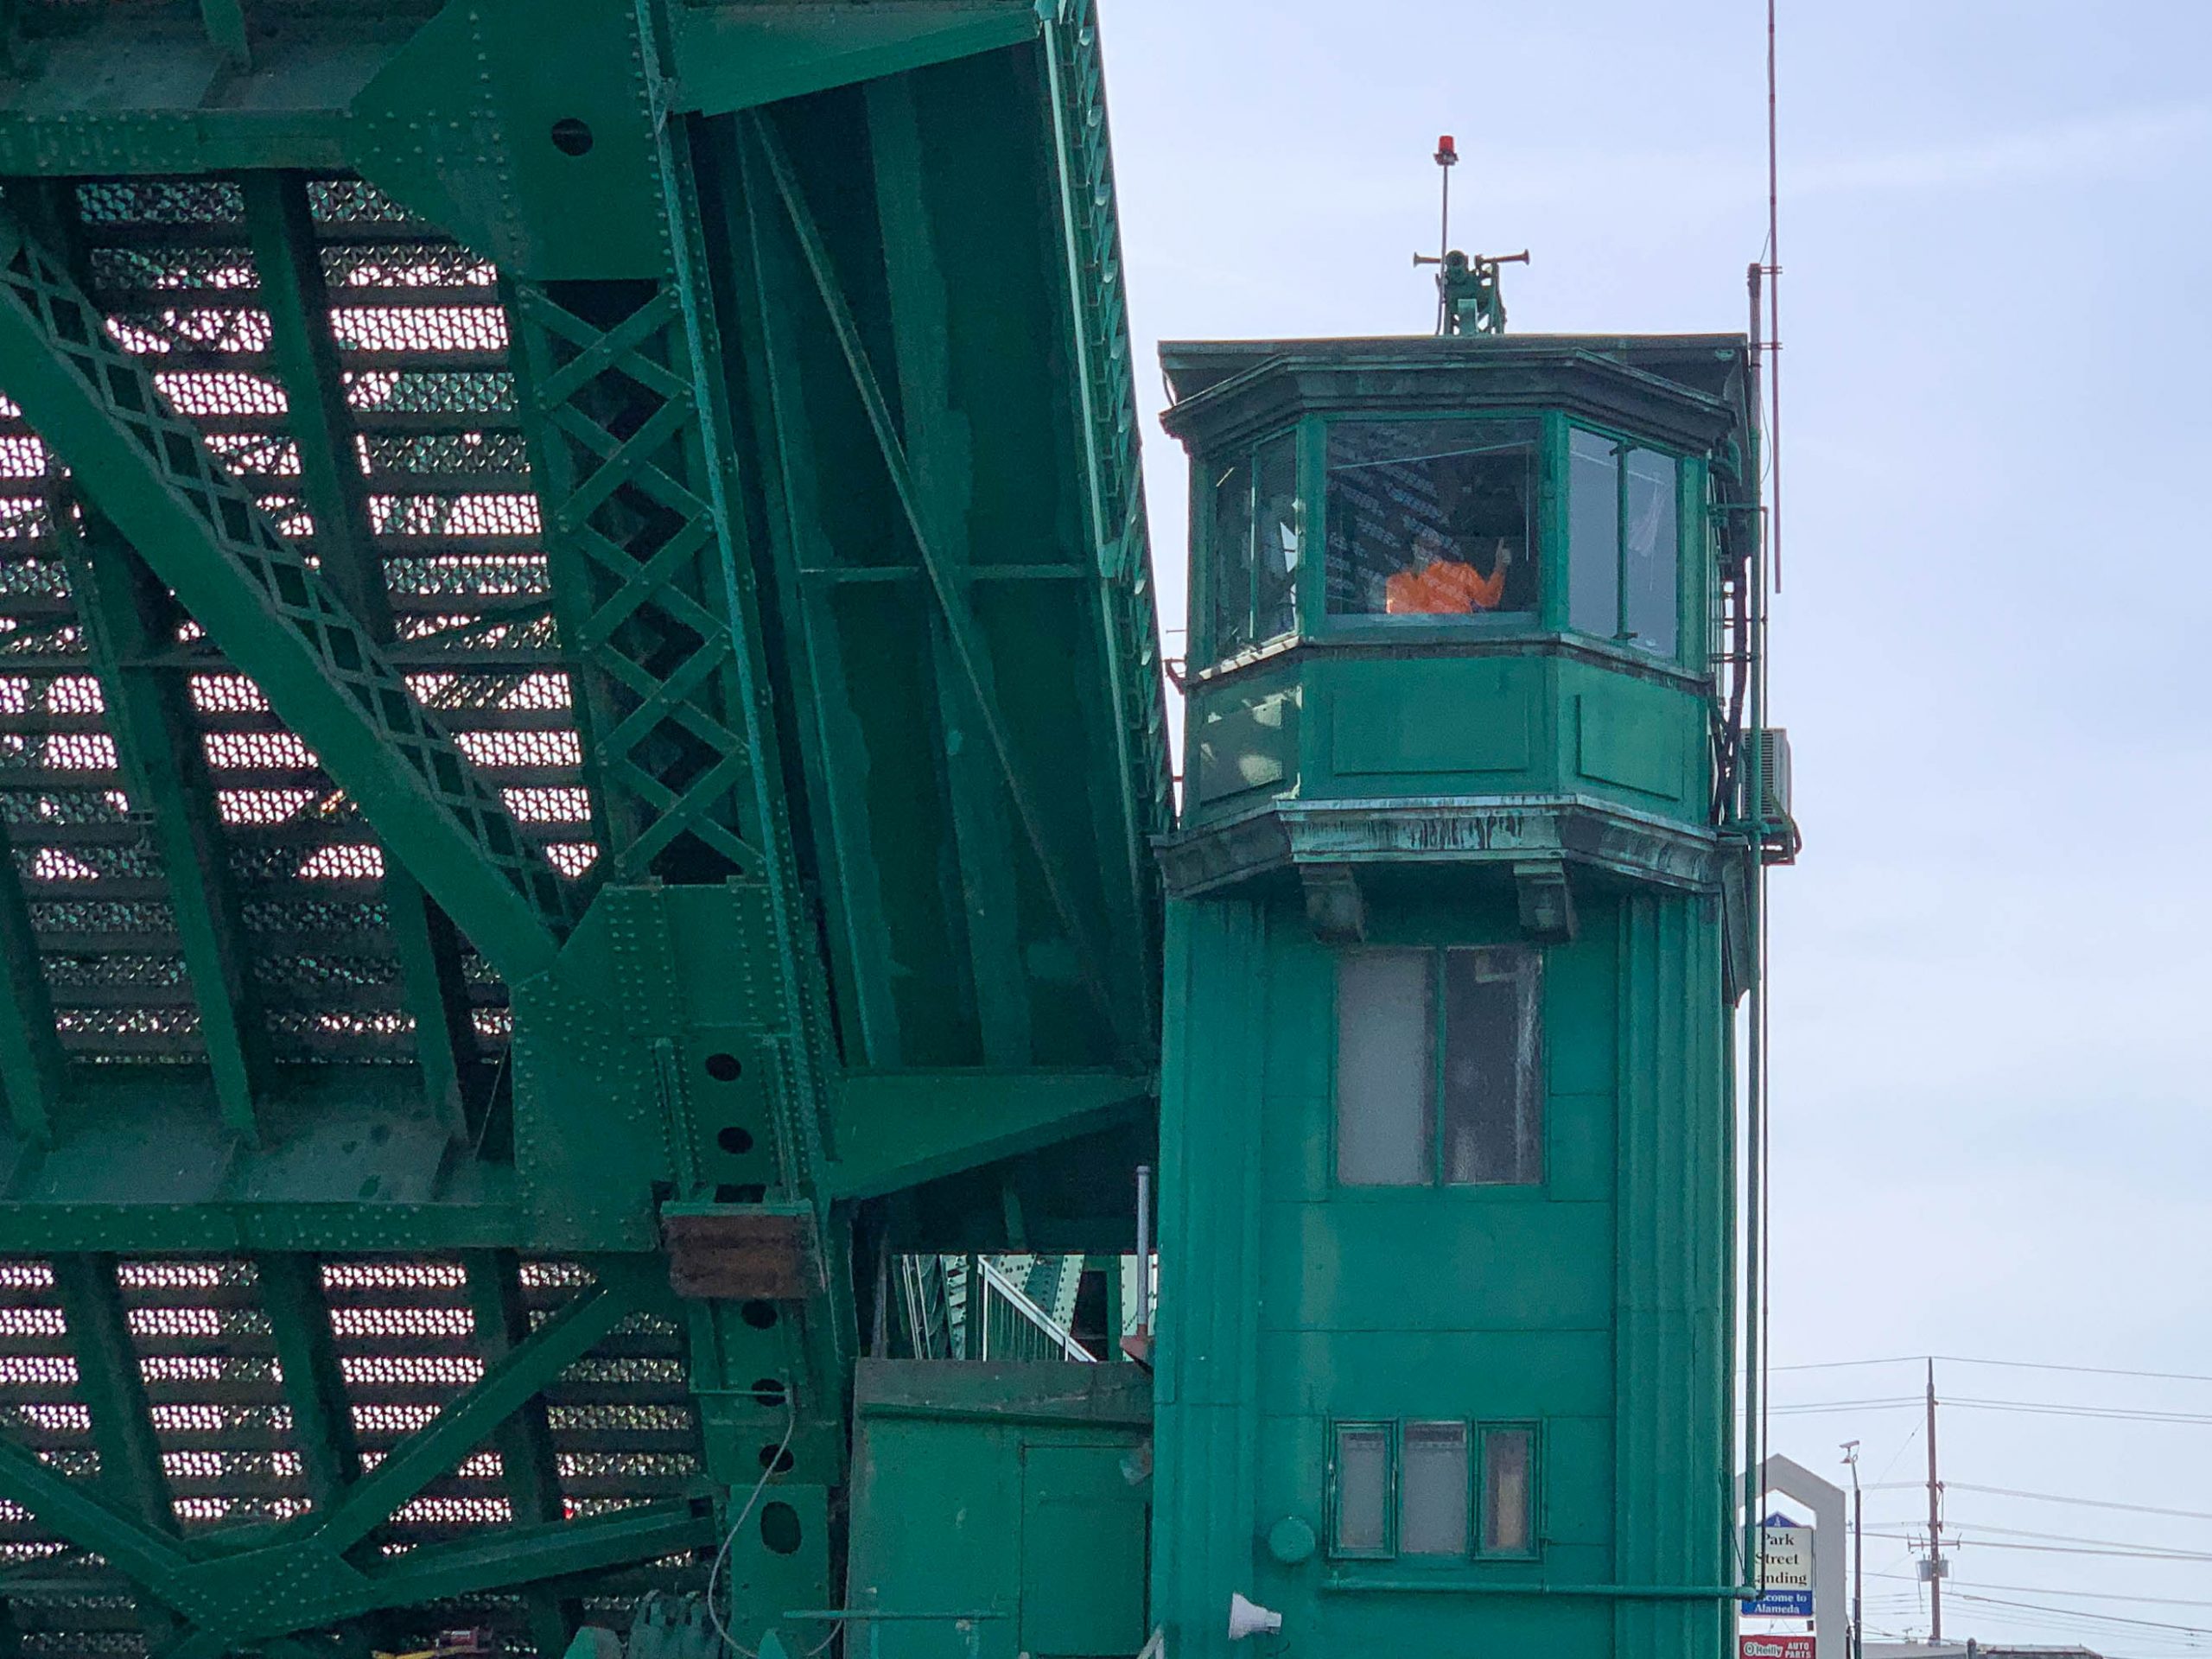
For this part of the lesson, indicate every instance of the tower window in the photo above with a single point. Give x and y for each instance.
(1508, 1505)
(1254, 539)
(1440, 1067)
(1433, 1491)
(1432, 518)
(1362, 1489)
(1623, 543)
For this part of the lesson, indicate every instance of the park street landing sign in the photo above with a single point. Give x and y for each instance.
(1787, 1552)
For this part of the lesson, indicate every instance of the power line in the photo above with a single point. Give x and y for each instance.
(2082, 1370)
(2009, 1364)
(1972, 1593)
(2078, 1503)
(1847, 1365)
(2114, 1414)
(2122, 1552)
(2076, 1538)
(2079, 1614)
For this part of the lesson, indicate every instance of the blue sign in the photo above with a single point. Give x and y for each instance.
(1780, 1604)
(1785, 1571)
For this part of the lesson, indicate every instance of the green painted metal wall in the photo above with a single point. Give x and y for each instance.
(1596, 1305)
(1016, 1495)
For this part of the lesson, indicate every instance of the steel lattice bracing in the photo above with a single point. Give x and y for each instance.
(577, 668)
(422, 390)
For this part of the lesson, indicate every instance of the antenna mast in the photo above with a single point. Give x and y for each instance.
(1468, 299)
(1447, 157)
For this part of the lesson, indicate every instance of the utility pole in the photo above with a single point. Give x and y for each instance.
(1858, 1555)
(1936, 1562)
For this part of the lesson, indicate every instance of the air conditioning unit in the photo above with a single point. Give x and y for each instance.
(1766, 750)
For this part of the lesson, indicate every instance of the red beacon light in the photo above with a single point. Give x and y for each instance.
(1447, 152)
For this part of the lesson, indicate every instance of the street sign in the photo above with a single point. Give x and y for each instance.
(1775, 1647)
(1787, 1553)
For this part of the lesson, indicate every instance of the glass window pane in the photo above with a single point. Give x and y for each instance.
(1363, 1487)
(1432, 517)
(1651, 551)
(1230, 548)
(1433, 1490)
(1385, 1063)
(1509, 1491)
(1275, 541)
(1594, 532)
(1493, 1111)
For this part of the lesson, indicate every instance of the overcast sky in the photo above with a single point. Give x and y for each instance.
(1991, 985)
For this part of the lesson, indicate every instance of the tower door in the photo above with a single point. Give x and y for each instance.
(1082, 1553)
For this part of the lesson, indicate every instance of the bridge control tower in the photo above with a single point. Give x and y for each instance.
(1462, 909)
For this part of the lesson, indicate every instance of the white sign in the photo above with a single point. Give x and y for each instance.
(1789, 1554)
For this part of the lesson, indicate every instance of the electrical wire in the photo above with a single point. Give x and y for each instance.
(1972, 1592)
(1879, 1402)
(2126, 1554)
(713, 1573)
(2114, 1414)
(2078, 1614)
(2008, 1365)
(2081, 1503)
(2108, 1413)
(2046, 1590)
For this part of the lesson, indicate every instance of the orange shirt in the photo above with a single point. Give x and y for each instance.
(1443, 588)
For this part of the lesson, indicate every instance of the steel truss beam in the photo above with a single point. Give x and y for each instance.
(131, 624)
(527, 1463)
(289, 269)
(921, 346)
(273, 615)
(792, 493)
(132, 1476)
(303, 1574)
(1105, 385)
(34, 1070)
(969, 650)
(898, 1129)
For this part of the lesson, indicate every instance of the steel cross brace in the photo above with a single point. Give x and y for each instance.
(970, 652)
(589, 473)
(274, 615)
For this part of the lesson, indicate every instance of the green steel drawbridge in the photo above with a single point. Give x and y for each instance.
(580, 727)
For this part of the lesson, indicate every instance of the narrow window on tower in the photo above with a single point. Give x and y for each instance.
(1277, 530)
(1231, 540)
(1433, 1490)
(1593, 534)
(1651, 553)
(1623, 543)
(1509, 1491)
(1360, 1524)
(1385, 1022)
(1255, 536)
(1493, 1126)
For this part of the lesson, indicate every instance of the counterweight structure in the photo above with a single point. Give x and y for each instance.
(580, 727)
